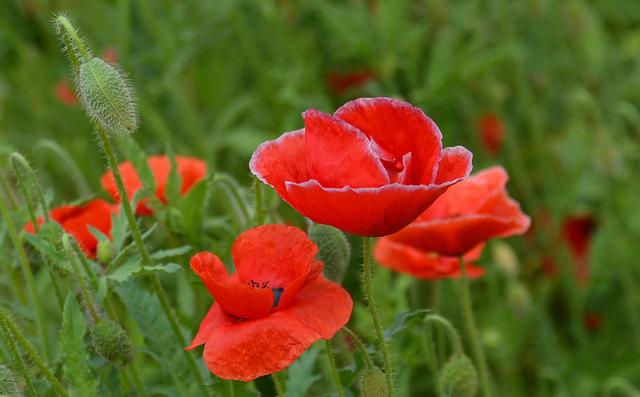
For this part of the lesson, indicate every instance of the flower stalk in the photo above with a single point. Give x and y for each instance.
(367, 277)
(332, 366)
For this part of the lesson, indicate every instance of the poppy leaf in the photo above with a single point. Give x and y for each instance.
(170, 253)
(301, 373)
(402, 320)
(194, 207)
(134, 268)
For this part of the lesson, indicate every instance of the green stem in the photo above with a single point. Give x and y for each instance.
(31, 352)
(454, 337)
(472, 330)
(87, 296)
(135, 376)
(27, 273)
(361, 347)
(367, 276)
(332, 367)
(18, 359)
(144, 254)
(279, 384)
(231, 188)
(257, 186)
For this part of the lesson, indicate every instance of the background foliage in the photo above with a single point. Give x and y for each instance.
(216, 78)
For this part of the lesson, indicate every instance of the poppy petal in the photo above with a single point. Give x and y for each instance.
(275, 162)
(363, 211)
(215, 318)
(399, 128)
(455, 162)
(338, 154)
(250, 349)
(235, 297)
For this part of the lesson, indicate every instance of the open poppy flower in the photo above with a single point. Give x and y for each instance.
(65, 94)
(425, 265)
(341, 82)
(191, 170)
(578, 231)
(272, 309)
(76, 219)
(369, 169)
(469, 213)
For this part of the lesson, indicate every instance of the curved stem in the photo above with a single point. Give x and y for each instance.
(332, 367)
(31, 352)
(367, 276)
(146, 258)
(472, 330)
(27, 273)
(363, 350)
(279, 384)
(454, 337)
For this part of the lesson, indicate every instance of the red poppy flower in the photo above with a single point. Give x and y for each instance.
(76, 219)
(592, 320)
(272, 309)
(492, 132)
(468, 214)
(110, 54)
(578, 230)
(65, 93)
(370, 169)
(191, 170)
(339, 82)
(425, 265)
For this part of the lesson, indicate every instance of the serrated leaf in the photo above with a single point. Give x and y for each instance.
(170, 253)
(49, 251)
(301, 374)
(75, 358)
(402, 320)
(134, 268)
(119, 230)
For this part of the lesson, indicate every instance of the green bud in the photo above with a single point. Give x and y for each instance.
(104, 251)
(111, 342)
(8, 385)
(372, 383)
(107, 97)
(334, 250)
(459, 377)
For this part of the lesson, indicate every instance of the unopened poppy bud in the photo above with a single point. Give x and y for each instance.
(111, 342)
(8, 385)
(104, 251)
(333, 250)
(459, 377)
(372, 383)
(107, 97)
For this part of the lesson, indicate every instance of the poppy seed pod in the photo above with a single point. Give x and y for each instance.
(107, 97)
(333, 249)
(459, 377)
(372, 383)
(8, 385)
(111, 342)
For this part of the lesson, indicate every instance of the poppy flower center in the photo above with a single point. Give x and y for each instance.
(277, 292)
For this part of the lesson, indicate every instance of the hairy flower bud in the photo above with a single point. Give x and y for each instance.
(372, 383)
(334, 250)
(459, 377)
(8, 385)
(107, 97)
(111, 342)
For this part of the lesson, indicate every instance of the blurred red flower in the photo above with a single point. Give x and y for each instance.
(341, 82)
(592, 321)
(578, 230)
(191, 170)
(469, 213)
(65, 93)
(76, 219)
(425, 265)
(272, 309)
(369, 169)
(492, 132)
(110, 54)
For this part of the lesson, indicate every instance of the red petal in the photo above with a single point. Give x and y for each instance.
(254, 348)
(278, 254)
(323, 306)
(276, 162)
(234, 297)
(455, 163)
(363, 211)
(338, 155)
(399, 128)
(215, 318)
(131, 184)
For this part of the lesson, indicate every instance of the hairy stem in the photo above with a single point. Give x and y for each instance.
(332, 367)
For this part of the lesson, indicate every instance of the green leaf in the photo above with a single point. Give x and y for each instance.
(194, 207)
(119, 230)
(170, 253)
(301, 374)
(75, 358)
(402, 321)
(134, 267)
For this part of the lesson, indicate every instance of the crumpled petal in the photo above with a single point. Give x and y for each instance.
(399, 128)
